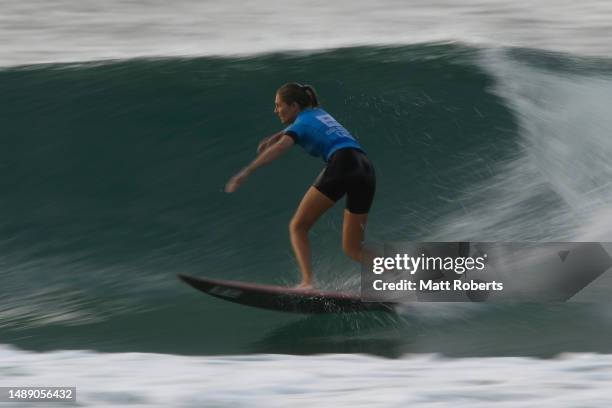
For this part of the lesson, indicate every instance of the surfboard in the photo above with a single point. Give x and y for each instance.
(283, 298)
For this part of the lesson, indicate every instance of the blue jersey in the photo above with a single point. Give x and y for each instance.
(320, 134)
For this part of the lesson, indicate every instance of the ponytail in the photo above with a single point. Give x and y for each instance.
(312, 95)
(303, 95)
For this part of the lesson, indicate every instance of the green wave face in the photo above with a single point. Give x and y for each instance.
(112, 178)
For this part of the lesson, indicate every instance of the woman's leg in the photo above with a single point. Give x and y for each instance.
(353, 232)
(312, 206)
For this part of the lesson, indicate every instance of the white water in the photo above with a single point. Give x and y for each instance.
(35, 31)
(157, 380)
(558, 186)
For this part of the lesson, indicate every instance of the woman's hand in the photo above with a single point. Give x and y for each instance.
(263, 145)
(235, 182)
(281, 144)
(266, 142)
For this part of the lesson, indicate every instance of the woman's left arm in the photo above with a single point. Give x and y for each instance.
(268, 155)
(270, 140)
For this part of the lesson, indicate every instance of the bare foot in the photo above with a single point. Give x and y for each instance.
(304, 285)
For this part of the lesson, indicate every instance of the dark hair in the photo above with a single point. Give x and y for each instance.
(303, 95)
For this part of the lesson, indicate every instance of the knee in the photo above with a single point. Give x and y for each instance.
(297, 226)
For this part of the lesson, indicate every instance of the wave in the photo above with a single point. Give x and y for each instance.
(112, 173)
(73, 32)
(341, 380)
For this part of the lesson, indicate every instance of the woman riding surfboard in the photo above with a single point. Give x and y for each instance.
(347, 171)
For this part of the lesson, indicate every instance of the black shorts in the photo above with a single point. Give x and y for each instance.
(349, 172)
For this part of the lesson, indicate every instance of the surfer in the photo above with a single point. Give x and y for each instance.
(347, 171)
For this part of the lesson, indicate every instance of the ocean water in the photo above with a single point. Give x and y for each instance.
(122, 121)
(344, 380)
